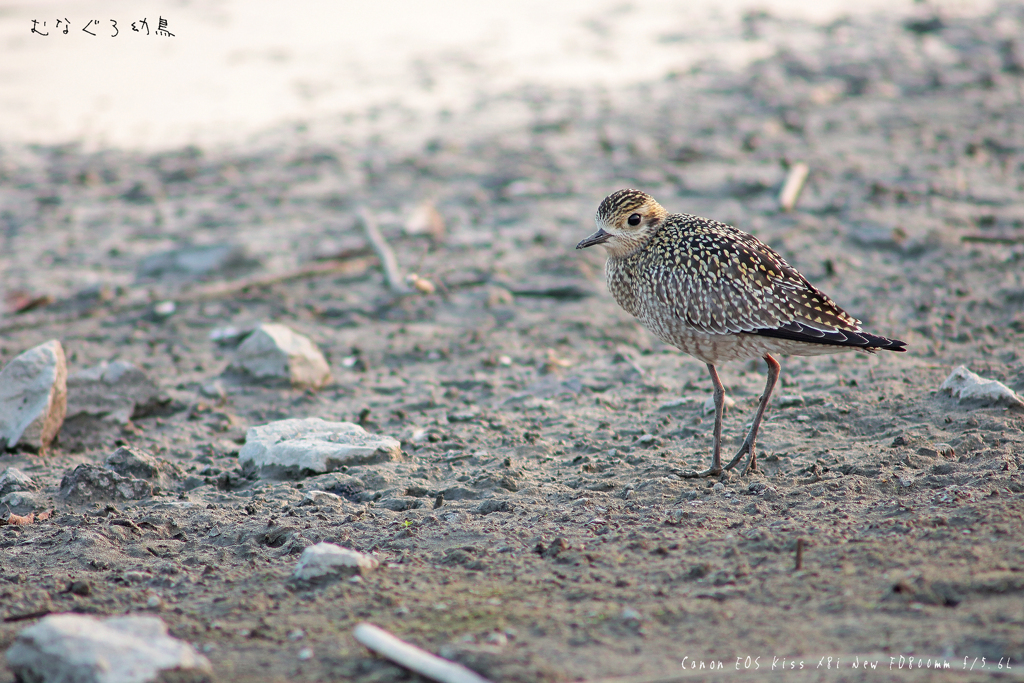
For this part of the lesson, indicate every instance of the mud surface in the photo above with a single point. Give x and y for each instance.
(567, 545)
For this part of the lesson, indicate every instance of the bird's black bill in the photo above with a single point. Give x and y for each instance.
(598, 237)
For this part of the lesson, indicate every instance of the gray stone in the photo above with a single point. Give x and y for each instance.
(969, 388)
(191, 261)
(33, 397)
(13, 479)
(399, 504)
(274, 351)
(87, 483)
(24, 502)
(138, 464)
(71, 648)
(327, 560)
(298, 448)
(116, 391)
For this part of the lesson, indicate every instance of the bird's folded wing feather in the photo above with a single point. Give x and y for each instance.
(742, 285)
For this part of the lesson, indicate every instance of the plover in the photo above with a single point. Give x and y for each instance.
(718, 294)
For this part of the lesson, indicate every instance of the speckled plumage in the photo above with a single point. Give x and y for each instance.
(716, 292)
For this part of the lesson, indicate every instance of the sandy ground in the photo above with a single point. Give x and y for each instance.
(568, 546)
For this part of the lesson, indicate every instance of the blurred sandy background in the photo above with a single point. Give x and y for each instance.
(235, 68)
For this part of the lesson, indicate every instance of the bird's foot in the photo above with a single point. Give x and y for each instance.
(693, 474)
(747, 447)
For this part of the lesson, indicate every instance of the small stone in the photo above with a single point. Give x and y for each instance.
(630, 614)
(80, 649)
(497, 638)
(116, 391)
(87, 483)
(305, 653)
(969, 388)
(494, 505)
(945, 450)
(214, 390)
(296, 635)
(327, 560)
(191, 261)
(399, 504)
(13, 479)
(321, 498)
(792, 401)
(33, 397)
(297, 448)
(709, 405)
(164, 309)
(274, 351)
(679, 403)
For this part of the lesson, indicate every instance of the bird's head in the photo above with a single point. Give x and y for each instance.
(625, 220)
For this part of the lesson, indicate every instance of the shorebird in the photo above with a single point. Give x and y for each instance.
(718, 294)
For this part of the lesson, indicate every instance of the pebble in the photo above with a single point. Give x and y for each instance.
(132, 649)
(321, 498)
(327, 560)
(709, 405)
(116, 391)
(969, 388)
(33, 397)
(274, 351)
(792, 401)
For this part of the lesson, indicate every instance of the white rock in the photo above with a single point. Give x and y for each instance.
(33, 397)
(275, 351)
(69, 648)
(114, 391)
(300, 447)
(967, 387)
(709, 405)
(327, 560)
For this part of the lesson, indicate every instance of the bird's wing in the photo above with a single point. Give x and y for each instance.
(721, 280)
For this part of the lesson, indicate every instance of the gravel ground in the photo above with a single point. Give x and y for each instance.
(568, 546)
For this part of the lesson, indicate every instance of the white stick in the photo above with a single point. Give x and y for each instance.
(793, 185)
(413, 658)
(387, 257)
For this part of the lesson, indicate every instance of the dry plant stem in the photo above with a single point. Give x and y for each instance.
(793, 186)
(384, 252)
(412, 657)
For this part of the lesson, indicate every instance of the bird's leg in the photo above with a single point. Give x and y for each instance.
(716, 458)
(719, 396)
(749, 443)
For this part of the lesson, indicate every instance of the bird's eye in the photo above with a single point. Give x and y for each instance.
(634, 219)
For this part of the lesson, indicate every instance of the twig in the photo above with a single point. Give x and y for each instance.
(799, 554)
(384, 253)
(994, 239)
(206, 293)
(413, 658)
(793, 186)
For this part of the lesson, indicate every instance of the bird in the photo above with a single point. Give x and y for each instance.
(718, 294)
